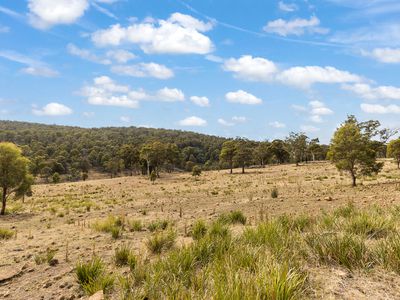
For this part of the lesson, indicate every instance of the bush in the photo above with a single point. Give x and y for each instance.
(196, 171)
(161, 241)
(56, 177)
(199, 229)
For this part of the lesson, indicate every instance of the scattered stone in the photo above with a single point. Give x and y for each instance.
(97, 296)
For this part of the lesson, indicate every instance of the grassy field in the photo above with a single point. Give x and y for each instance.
(282, 232)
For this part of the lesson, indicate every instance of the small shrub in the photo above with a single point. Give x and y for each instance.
(199, 229)
(6, 234)
(274, 193)
(196, 171)
(161, 241)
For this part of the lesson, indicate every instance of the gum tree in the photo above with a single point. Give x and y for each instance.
(14, 175)
(353, 151)
(393, 151)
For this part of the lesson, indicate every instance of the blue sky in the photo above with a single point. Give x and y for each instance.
(257, 69)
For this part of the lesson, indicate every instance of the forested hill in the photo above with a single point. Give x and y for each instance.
(72, 150)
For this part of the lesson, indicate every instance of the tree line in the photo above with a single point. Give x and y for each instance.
(70, 153)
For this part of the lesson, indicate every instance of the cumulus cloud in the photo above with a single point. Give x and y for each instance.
(169, 95)
(295, 27)
(277, 124)
(125, 119)
(385, 55)
(200, 101)
(223, 122)
(179, 34)
(251, 68)
(52, 109)
(380, 109)
(44, 14)
(304, 77)
(193, 121)
(242, 97)
(287, 7)
(365, 91)
(144, 70)
(316, 110)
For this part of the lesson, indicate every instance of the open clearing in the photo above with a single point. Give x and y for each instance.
(61, 218)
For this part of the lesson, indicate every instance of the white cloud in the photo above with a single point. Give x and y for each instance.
(144, 70)
(385, 55)
(224, 122)
(214, 58)
(299, 108)
(125, 119)
(251, 68)
(180, 34)
(242, 97)
(44, 14)
(277, 124)
(40, 71)
(380, 109)
(34, 67)
(318, 108)
(193, 121)
(287, 7)
(88, 114)
(234, 120)
(237, 119)
(52, 109)
(295, 27)
(309, 128)
(170, 95)
(365, 91)
(304, 77)
(121, 56)
(200, 101)
(86, 54)
(105, 91)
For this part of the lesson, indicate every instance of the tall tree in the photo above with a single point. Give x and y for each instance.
(393, 151)
(262, 153)
(278, 150)
(243, 153)
(13, 172)
(352, 150)
(297, 143)
(130, 155)
(228, 153)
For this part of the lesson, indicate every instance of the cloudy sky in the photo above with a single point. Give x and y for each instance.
(257, 69)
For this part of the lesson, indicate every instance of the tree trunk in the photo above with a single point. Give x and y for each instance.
(353, 177)
(4, 198)
(231, 168)
(398, 164)
(242, 169)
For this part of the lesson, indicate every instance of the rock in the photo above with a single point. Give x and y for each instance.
(97, 296)
(47, 284)
(9, 273)
(329, 198)
(53, 262)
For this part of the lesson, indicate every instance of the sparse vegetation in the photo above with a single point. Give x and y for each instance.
(6, 234)
(161, 241)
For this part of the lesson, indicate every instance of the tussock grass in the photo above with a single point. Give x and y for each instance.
(161, 241)
(6, 234)
(92, 277)
(370, 225)
(234, 217)
(124, 256)
(199, 229)
(112, 224)
(135, 225)
(158, 225)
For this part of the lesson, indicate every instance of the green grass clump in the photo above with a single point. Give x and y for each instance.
(161, 241)
(6, 234)
(112, 224)
(199, 229)
(387, 253)
(124, 256)
(345, 211)
(234, 217)
(343, 249)
(46, 257)
(371, 226)
(135, 225)
(158, 225)
(92, 278)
